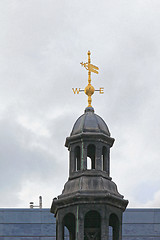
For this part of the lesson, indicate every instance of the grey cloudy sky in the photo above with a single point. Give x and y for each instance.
(42, 43)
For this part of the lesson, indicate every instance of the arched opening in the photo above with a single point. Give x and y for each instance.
(91, 156)
(66, 233)
(104, 159)
(77, 154)
(92, 226)
(113, 227)
(69, 226)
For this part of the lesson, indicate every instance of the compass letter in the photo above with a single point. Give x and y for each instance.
(101, 90)
(76, 90)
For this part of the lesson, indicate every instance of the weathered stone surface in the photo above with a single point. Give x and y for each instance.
(89, 194)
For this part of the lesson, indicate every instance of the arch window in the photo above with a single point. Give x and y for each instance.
(91, 156)
(77, 154)
(69, 227)
(113, 227)
(104, 159)
(92, 226)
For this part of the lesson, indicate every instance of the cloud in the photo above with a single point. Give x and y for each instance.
(42, 44)
(155, 200)
(24, 157)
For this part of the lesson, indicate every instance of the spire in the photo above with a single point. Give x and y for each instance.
(90, 204)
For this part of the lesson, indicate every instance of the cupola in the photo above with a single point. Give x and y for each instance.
(89, 144)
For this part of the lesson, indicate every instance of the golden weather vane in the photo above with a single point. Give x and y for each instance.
(89, 89)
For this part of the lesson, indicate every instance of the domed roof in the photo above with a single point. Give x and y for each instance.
(90, 122)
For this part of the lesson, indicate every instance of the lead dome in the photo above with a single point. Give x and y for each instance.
(90, 122)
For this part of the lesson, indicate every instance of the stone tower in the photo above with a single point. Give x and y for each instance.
(90, 206)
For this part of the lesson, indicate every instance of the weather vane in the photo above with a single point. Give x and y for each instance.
(89, 89)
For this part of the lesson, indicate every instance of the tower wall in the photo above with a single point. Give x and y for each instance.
(90, 205)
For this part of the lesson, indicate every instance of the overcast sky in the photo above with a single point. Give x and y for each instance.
(42, 43)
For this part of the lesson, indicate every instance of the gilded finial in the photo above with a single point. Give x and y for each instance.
(89, 89)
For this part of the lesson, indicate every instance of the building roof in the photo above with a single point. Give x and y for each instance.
(35, 224)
